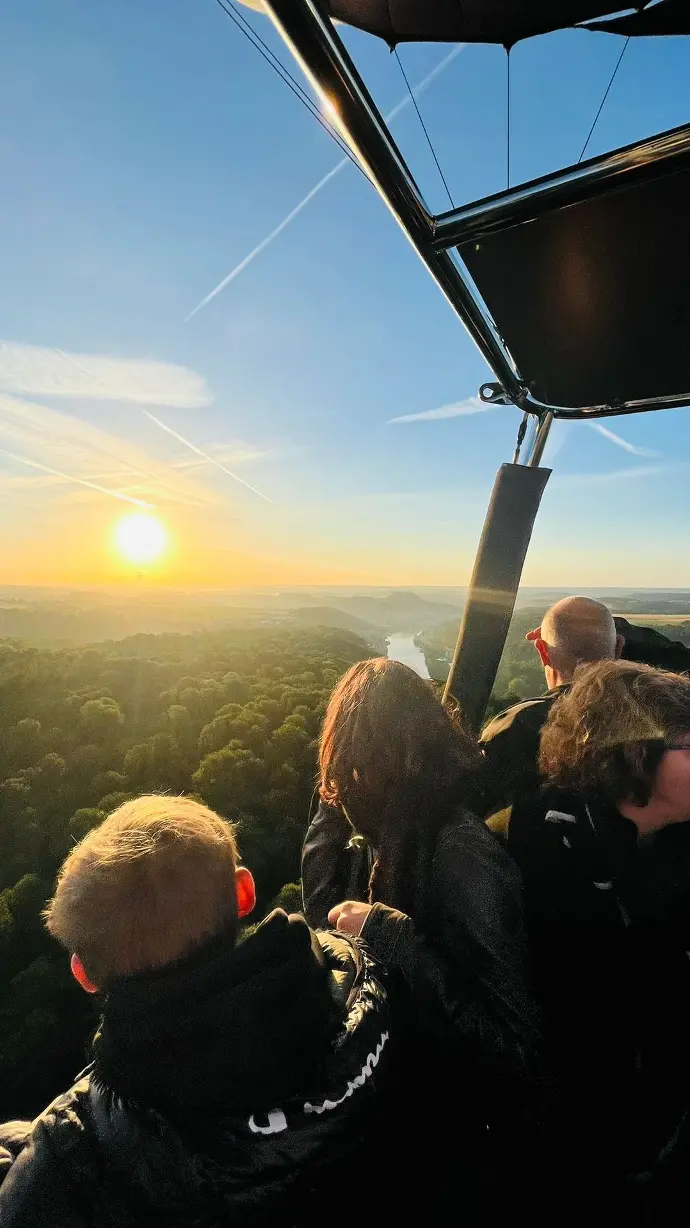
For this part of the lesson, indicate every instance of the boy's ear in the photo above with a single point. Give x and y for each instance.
(81, 975)
(246, 891)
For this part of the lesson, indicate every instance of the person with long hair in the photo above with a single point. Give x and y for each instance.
(442, 906)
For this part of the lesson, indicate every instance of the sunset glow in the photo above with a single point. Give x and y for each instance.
(140, 538)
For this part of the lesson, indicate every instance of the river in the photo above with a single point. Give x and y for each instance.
(403, 648)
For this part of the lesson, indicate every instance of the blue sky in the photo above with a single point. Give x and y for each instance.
(146, 150)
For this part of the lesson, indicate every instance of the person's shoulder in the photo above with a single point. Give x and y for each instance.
(327, 817)
(467, 844)
(529, 713)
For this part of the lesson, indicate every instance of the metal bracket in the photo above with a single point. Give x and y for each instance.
(494, 394)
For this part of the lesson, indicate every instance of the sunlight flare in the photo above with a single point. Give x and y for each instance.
(140, 538)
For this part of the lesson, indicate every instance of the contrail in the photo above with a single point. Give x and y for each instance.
(204, 455)
(405, 102)
(112, 456)
(68, 477)
(623, 443)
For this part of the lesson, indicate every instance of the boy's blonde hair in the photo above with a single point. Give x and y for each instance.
(146, 887)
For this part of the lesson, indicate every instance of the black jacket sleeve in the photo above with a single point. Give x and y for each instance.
(330, 869)
(469, 980)
(6, 1158)
(39, 1191)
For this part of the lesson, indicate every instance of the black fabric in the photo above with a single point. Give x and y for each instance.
(460, 964)
(585, 323)
(511, 751)
(462, 954)
(490, 21)
(335, 867)
(651, 647)
(669, 17)
(608, 918)
(101, 1157)
(195, 1017)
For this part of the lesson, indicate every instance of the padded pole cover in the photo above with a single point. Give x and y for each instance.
(493, 588)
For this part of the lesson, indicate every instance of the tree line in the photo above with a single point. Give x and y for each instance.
(229, 717)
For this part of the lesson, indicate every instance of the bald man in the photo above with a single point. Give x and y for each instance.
(574, 630)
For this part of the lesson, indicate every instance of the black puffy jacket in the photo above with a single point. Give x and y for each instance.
(241, 1087)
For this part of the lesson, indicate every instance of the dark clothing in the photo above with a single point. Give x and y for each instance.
(239, 1087)
(511, 751)
(336, 864)
(608, 918)
(652, 647)
(511, 740)
(470, 1039)
(463, 955)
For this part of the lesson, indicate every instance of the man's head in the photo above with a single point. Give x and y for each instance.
(621, 734)
(573, 632)
(154, 881)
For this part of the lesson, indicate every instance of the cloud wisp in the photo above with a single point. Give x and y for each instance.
(270, 238)
(34, 370)
(231, 453)
(459, 409)
(578, 481)
(626, 446)
(204, 455)
(69, 477)
(68, 447)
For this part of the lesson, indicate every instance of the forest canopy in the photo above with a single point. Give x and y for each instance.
(229, 717)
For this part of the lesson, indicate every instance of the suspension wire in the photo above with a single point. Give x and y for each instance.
(606, 94)
(522, 431)
(508, 117)
(272, 60)
(424, 127)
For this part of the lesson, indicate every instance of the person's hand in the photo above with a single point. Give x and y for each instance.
(349, 917)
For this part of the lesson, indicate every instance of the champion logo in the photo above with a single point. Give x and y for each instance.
(366, 1073)
(276, 1121)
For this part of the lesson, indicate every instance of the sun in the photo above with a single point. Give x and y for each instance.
(140, 538)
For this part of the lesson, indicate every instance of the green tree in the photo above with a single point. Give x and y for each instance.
(230, 715)
(83, 820)
(101, 718)
(230, 779)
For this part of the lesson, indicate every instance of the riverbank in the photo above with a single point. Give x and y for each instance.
(403, 648)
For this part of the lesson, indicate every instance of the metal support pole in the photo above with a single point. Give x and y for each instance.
(623, 168)
(536, 440)
(323, 57)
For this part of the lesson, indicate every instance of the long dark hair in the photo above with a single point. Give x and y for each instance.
(395, 760)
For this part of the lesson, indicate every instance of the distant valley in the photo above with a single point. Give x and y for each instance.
(429, 616)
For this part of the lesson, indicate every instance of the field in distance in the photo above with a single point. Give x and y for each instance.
(656, 618)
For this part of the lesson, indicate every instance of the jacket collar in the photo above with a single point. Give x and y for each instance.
(229, 1028)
